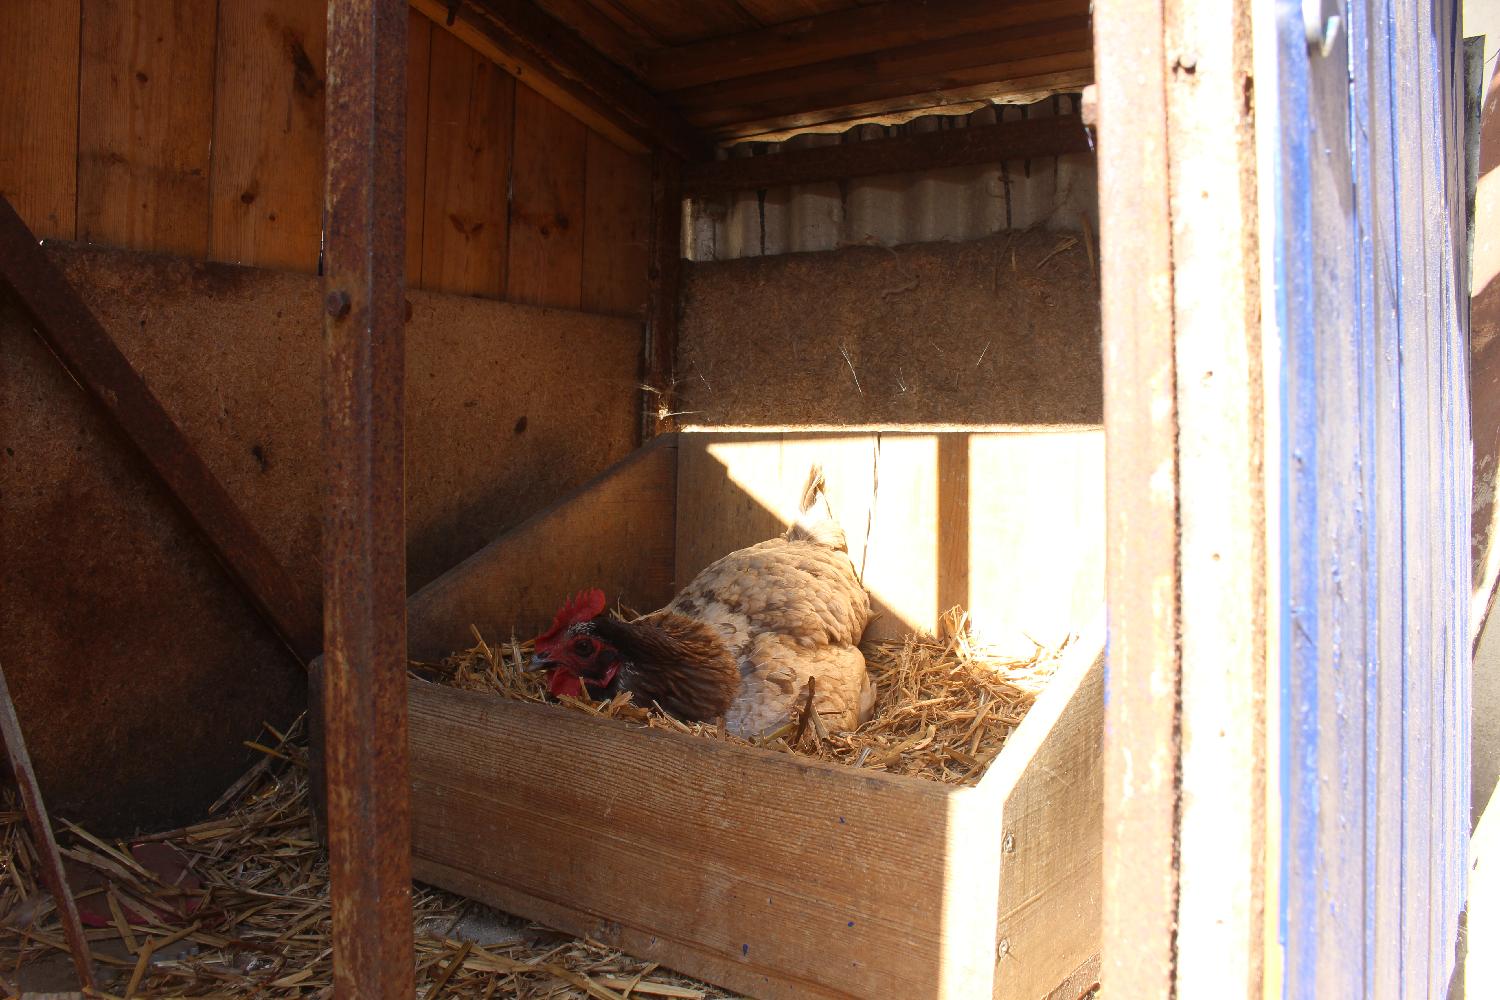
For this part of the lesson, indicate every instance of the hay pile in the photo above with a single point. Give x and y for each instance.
(946, 703)
(244, 912)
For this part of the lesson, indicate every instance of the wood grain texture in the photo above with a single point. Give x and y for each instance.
(546, 204)
(39, 104)
(1141, 751)
(926, 515)
(772, 875)
(616, 229)
(678, 21)
(146, 95)
(528, 43)
(418, 74)
(1051, 778)
(267, 170)
(465, 216)
(992, 57)
(614, 532)
(850, 31)
(1220, 444)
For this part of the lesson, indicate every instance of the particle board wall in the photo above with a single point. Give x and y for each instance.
(137, 669)
(486, 444)
(1000, 331)
(127, 647)
(196, 127)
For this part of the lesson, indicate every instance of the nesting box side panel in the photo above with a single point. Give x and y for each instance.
(1052, 838)
(615, 532)
(771, 875)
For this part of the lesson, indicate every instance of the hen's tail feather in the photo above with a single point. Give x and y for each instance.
(815, 521)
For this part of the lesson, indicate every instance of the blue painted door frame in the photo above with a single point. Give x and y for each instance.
(1371, 318)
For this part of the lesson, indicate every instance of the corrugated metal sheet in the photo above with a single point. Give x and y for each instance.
(959, 203)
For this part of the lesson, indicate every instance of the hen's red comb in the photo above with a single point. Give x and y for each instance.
(588, 604)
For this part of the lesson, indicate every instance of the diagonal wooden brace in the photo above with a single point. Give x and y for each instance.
(90, 355)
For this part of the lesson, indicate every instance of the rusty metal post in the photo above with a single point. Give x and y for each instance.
(41, 830)
(364, 535)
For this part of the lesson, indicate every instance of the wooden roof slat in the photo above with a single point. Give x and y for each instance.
(933, 69)
(844, 33)
(551, 58)
(677, 22)
(615, 34)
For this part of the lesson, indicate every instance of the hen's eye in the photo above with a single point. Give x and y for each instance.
(583, 647)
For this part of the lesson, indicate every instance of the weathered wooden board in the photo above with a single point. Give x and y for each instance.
(790, 45)
(614, 532)
(616, 229)
(773, 875)
(39, 105)
(997, 331)
(1051, 780)
(465, 219)
(1007, 525)
(229, 353)
(145, 123)
(267, 169)
(546, 204)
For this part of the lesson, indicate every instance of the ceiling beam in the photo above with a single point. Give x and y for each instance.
(952, 147)
(858, 31)
(550, 57)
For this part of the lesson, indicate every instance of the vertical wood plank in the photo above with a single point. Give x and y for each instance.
(1141, 749)
(470, 105)
(1416, 741)
(1220, 403)
(616, 229)
(547, 204)
(266, 204)
(1371, 32)
(39, 106)
(418, 68)
(146, 123)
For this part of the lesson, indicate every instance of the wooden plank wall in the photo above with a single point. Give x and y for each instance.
(196, 127)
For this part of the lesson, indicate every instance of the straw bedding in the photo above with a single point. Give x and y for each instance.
(241, 908)
(946, 703)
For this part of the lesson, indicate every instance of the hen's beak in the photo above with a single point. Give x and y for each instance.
(538, 662)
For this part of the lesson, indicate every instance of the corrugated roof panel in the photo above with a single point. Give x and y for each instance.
(959, 203)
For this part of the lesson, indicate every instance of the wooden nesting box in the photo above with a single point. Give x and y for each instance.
(769, 873)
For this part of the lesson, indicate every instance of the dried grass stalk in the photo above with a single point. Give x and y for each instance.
(947, 703)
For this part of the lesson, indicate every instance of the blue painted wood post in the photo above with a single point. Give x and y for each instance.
(1372, 322)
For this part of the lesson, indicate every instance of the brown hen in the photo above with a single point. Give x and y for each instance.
(741, 641)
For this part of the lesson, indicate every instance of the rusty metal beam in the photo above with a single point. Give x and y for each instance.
(89, 354)
(364, 534)
(53, 874)
(957, 147)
